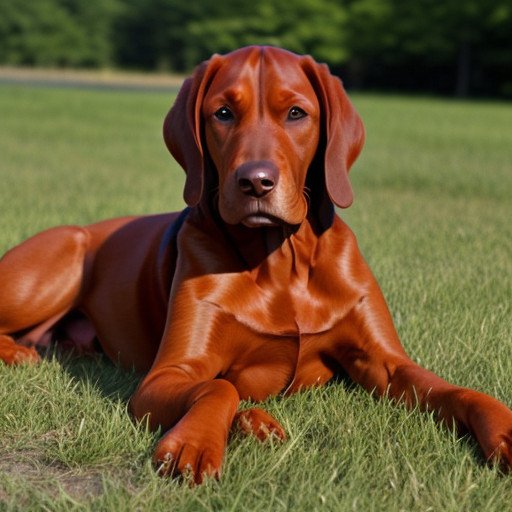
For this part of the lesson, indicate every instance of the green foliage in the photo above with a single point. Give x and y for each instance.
(302, 26)
(56, 32)
(432, 44)
(444, 46)
(174, 34)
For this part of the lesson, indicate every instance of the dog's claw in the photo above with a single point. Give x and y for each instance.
(260, 424)
(193, 461)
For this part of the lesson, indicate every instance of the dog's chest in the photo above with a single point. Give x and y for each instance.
(281, 330)
(279, 317)
(283, 301)
(262, 365)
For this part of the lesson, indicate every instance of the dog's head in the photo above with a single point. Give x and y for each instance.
(261, 116)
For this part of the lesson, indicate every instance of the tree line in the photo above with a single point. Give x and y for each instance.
(441, 46)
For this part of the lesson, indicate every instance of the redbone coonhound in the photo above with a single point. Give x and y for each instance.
(257, 288)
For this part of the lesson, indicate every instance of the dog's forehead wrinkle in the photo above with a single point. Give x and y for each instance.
(236, 94)
(261, 84)
(260, 78)
(276, 76)
(285, 82)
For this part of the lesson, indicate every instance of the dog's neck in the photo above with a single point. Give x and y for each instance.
(255, 245)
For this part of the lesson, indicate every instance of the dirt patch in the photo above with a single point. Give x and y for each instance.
(33, 470)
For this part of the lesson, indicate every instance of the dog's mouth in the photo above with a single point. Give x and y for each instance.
(258, 220)
(258, 213)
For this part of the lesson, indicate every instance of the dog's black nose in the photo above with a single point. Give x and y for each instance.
(257, 178)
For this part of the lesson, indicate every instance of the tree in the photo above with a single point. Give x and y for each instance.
(302, 26)
(177, 34)
(432, 44)
(56, 32)
(443, 46)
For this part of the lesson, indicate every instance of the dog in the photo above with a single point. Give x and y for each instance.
(256, 288)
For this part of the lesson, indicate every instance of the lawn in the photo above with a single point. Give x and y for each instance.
(433, 217)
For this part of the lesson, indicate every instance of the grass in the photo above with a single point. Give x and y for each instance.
(432, 215)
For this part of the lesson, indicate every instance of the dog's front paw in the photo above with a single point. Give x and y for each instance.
(259, 423)
(490, 421)
(497, 442)
(194, 456)
(502, 454)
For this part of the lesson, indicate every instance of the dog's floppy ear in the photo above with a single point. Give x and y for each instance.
(343, 129)
(182, 128)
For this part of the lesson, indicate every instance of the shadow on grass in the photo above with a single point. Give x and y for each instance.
(99, 372)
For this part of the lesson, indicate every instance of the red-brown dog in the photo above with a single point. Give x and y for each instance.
(257, 288)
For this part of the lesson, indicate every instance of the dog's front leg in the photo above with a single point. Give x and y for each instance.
(182, 395)
(372, 355)
(197, 416)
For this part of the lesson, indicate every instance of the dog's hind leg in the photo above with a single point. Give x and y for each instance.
(40, 281)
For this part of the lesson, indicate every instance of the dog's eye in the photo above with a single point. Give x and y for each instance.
(296, 113)
(224, 114)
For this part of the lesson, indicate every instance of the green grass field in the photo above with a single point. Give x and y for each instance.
(433, 215)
